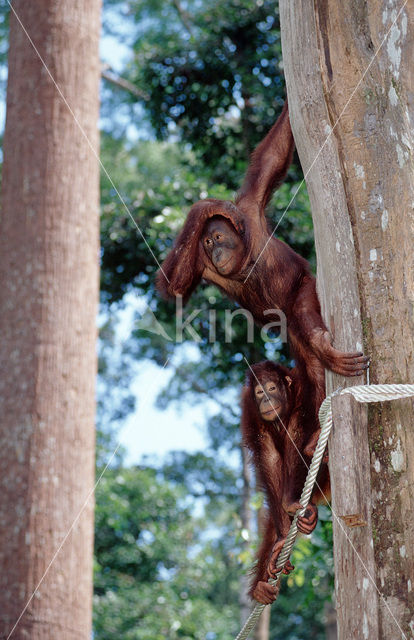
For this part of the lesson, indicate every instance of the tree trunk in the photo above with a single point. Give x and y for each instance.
(331, 627)
(261, 631)
(245, 602)
(48, 305)
(350, 76)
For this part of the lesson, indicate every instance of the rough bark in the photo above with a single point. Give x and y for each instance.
(361, 185)
(48, 304)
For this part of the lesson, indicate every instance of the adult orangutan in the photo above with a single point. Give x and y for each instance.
(277, 426)
(230, 244)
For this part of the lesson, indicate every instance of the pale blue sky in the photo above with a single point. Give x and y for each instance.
(150, 431)
(154, 432)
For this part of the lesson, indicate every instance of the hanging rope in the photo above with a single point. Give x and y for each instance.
(363, 393)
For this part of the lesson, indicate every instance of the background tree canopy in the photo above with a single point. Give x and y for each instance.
(205, 84)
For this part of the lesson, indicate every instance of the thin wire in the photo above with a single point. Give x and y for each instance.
(326, 426)
(375, 393)
(152, 254)
(326, 140)
(63, 541)
(286, 430)
(81, 129)
(91, 492)
(338, 520)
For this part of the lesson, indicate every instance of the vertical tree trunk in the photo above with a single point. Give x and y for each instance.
(49, 275)
(262, 628)
(261, 631)
(350, 77)
(331, 627)
(246, 525)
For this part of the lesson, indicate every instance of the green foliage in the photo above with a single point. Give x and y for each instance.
(4, 42)
(213, 84)
(300, 609)
(169, 549)
(169, 552)
(157, 575)
(161, 571)
(114, 398)
(154, 184)
(211, 72)
(136, 521)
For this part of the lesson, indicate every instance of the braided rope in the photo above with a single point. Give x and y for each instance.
(380, 392)
(361, 393)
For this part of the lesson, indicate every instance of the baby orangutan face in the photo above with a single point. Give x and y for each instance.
(271, 398)
(223, 246)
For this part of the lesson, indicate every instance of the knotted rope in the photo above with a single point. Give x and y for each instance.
(362, 393)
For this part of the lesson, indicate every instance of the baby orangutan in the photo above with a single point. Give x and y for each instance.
(277, 424)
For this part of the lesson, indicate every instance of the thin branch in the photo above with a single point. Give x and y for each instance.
(194, 386)
(184, 17)
(109, 74)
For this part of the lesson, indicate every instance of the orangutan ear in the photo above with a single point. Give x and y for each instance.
(288, 380)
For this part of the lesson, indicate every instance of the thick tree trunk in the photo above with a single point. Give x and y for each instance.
(48, 304)
(350, 77)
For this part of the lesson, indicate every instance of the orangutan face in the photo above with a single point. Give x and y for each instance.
(223, 246)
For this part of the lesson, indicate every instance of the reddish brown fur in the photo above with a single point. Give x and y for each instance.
(269, 537)
(277, 450)
(280, 277)
(266, 445)
(271, 276)
(185, 264)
